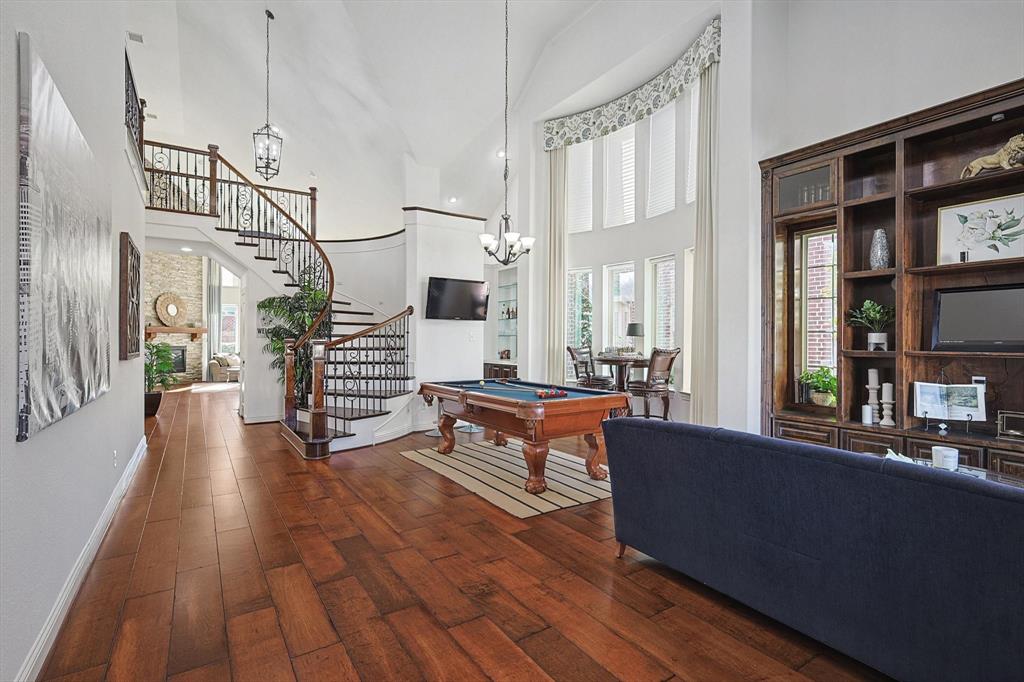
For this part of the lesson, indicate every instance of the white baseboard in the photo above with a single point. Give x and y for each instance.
(262, 419)
(31, 666)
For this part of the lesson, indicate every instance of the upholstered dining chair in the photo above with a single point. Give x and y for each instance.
(583, 365)
(659, 371)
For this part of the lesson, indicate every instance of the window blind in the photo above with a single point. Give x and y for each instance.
(691, 150)
(661, 181)
(580, 186)
(620, 177)
(663, 274)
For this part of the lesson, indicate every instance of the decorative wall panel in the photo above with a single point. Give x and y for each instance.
(130, 321)
(64, 269)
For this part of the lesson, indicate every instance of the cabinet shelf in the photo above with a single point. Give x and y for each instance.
(973, 266)
(965, 354)
(987, 180)
(870, 199)
(870, 274)
(873, 354)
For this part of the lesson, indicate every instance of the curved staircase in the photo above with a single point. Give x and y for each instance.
(360, 367)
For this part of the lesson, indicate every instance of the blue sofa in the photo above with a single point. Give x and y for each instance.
(916, 572)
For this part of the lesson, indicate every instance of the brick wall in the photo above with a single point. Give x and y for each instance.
(182, 275)
(821, 302)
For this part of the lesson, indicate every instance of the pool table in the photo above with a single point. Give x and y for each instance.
(512, 407)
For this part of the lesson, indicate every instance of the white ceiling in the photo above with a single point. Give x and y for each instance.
(355, 86)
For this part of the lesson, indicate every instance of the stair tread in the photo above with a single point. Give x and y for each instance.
(336, 302)
(353, 312)
(366, 348)
(353, 413)
(365, 362)
(257, 234)
(364, 377)
(369, 393)
(351, 323)
(301, 429)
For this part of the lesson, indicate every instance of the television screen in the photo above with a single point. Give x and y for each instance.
(979, 319)
(456, 299)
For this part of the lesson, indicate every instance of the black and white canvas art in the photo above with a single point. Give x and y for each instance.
(64, 261)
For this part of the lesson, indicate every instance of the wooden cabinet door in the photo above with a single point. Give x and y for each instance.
(1006, 462)
(969, 455)
(869, 443)
(806, 433)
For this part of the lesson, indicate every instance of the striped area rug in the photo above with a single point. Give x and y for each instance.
(497, 474)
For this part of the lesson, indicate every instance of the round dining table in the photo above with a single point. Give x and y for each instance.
(622, 365)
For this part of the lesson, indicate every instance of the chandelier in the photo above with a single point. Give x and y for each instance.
(267, 140)
(509, 245)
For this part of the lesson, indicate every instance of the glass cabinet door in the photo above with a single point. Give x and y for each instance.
(803, 188)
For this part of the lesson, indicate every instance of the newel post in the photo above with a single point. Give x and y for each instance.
(312, 211)
(318, 409)
(214, 206)
(289, 380)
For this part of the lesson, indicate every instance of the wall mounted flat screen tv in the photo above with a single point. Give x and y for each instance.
(456, 299)
(981, 319)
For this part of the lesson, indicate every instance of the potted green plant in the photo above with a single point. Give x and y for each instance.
(822, 384)
(876, 318)
(288, 318)
(159, 370)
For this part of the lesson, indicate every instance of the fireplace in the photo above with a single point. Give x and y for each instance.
(178, 358)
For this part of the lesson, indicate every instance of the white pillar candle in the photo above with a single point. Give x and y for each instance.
(872, 377)
(867, 416)
(887, 392)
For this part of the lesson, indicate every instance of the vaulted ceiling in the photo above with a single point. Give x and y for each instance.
(355, 86)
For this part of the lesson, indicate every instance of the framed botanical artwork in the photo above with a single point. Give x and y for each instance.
(130, 318)
(989, 229)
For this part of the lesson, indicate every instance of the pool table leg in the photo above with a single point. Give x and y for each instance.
(596, 443)
(500, 438)
(446, 426)
(536, 456)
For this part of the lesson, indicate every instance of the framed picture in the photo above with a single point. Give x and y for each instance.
(129, 326)
(949, 401)
(990, 229)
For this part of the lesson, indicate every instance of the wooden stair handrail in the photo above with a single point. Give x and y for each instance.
(369, 330)
(327, 263)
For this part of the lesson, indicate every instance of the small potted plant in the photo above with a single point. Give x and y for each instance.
(875, 317)
(159, 370)
(822, 384)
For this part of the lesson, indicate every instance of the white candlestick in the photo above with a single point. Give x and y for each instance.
(872, 377)
(887, 419)
(886, 392)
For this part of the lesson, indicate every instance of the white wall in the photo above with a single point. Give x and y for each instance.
(55, 487)
(371, 271)
(441, 350)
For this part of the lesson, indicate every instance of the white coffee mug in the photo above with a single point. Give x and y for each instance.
(945, 458)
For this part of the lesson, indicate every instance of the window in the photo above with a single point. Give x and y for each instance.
(229, 328)
(661, 302)
(691, 143)
(579, 186)
(687, 353)
(661, 179)
(620, 303)
(815, 298)
(620, 177)
(579, 313)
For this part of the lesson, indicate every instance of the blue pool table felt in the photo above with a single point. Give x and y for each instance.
(518, 390)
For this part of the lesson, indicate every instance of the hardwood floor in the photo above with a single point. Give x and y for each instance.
(232, 558)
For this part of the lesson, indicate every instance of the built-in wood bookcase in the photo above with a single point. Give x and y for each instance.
(893, 176)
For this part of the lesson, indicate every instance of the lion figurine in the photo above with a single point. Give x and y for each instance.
(1010, 156)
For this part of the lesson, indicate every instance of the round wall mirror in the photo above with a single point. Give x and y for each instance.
(170, 310)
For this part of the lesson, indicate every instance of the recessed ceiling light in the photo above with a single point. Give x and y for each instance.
(452, 200)
(500, 153)
(186, 249)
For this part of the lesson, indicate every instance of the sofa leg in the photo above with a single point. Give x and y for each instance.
(665, 403)
(647, 407)
(621, 550)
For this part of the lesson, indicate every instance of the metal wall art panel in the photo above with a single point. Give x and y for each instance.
(64, 257)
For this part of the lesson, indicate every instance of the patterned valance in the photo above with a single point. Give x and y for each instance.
(642, 102)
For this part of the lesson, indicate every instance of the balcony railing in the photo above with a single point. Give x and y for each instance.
(134, 107)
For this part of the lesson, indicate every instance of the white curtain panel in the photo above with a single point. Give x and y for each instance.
(704, 382)
(556, 266)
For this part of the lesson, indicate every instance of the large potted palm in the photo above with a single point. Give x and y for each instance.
(288, 317)
(159, 370)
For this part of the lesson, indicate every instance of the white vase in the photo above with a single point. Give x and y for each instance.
(878, 341)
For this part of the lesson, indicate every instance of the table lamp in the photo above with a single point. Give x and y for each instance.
(635, 330)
